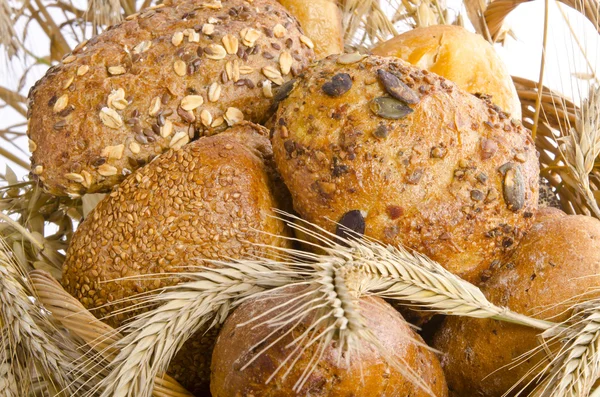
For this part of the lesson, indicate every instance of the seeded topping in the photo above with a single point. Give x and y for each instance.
(249, 36)
(351, 225)
(107, 170)
(78, 178)
(273, 74)
(307, 42)
(180, 139)
(69, 59)
(111, 118)
(348, 59)
(214, 92)
(166, 129)
(513, 186)
(154, 106)
(206, 118)
(279, 31)
(134, 147)
(396, 88)
(116, 70)
(338, 86)
(142, 47)
(82, 70)
(266, 88)
(285, 62)
(180, 68)
(32, 145)
(230, 43)
(61, 103)
(191, 102)
(233, 116)
(68, 82)
(215, 51)
(177, 38)
(389, 108)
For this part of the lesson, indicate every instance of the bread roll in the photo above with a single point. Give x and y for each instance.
(558, 260)
(449, 175)
(458, 55)
(210, 199)
(368, 374)
(321, 20)
(156, 81)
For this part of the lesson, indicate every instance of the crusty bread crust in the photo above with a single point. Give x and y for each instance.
(458, 55)
(558, 261)
(442, 179)
(321, 20)
(164, 77)
(368, 374)
(210, 199)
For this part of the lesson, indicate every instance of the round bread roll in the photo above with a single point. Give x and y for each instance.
(321, 20)
(438, 170)
(558, 260)
(156, 81)
(458, 55)
(210, 199)
(367, 374)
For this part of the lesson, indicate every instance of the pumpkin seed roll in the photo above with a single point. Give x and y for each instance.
(402, 155)
(156, 81)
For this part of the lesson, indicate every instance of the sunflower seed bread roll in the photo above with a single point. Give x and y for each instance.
(402, 155)
(157, 81)
(212, 199)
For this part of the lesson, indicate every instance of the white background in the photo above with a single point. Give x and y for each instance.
(522, 55)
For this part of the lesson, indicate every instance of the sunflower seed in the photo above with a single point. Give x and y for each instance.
(396, 88)
(206, 118)
(177, 38)
(166, 129)
(116, 99)
(351, 225)
(338, 86)
(142, 47)
(180, 68)
(113, 152)
(348, 59)
(233, 116)
(107, 170)
(306, 41)
(513, 187)
(267, 89)
(134, 147)
(191, 102)
(179, 140)
(208, 29)
(116, 70)
(110, 118)
(32, 145)
(188, 117)
(215, 51)
(61, 103)
(154, 106)
(78, 178)
(285, 62)
(279, 31)
(273, 74)
(68, 82)
(389, 108)
(82, 70)
(214, 92)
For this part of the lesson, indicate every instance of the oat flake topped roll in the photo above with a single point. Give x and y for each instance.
(156, 81)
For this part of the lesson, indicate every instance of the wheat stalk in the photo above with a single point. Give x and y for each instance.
(581, 146)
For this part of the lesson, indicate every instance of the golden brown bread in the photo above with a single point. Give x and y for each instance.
(461, 56)
(453, 177)
(321, 20)
(559, 259)
(156, 81)
(367, 375)
(208, 200)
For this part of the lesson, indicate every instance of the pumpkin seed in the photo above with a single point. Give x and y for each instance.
(389, 108)
(396, 88)
(513, 187)
(338, 86)
(351, 225)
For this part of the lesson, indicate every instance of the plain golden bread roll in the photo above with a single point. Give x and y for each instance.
(458, 55)
(439, 170)
(558, 260)
(368, 374)
(211, 199)
(321, 21)
(156, 81)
